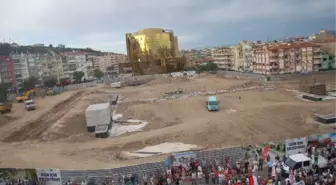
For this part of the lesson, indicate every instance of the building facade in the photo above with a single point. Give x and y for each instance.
(280, 58)
(223, 57)
(109, 63)
(323, 35)
(7, 74)
(153, 51)
(77, 61)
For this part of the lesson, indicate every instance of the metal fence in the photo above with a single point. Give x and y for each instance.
(95, 176)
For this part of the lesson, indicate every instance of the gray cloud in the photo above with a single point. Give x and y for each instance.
(103, 23)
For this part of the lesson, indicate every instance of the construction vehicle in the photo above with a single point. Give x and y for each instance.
(27, 95)
(212, 103)
(29, 105)
(5, 107)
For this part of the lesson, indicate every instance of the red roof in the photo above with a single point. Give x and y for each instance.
(75, 53)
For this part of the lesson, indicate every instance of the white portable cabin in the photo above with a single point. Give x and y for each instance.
(98, 114)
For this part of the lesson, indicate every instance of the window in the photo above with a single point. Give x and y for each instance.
(330, 57)
(298, 165)
(306, 163)
(324, 59)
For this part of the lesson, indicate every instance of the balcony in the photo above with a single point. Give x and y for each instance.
(317, 56)
(273, 60)
(317, 61)
(317, 50)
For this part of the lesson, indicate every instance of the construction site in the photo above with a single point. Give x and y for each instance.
(163, 112)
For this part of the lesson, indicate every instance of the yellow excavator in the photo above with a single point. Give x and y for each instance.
(27, 95)
(5, 107)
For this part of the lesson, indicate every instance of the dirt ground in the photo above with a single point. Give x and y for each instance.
(59, 131)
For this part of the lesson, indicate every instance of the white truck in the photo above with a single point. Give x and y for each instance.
(29, 105)
(116, 84)
(297, 161)
(98, 114)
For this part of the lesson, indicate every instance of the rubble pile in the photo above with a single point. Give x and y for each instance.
(180, 95)
(184, 73)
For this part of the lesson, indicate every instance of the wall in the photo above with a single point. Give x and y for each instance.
(241, 75)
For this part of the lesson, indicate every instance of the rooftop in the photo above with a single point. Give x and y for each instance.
(299, 157)
(71, 53)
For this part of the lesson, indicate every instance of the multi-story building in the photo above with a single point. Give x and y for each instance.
(77, 61)
(196, 56)
(243, 56)
(223, 57)
(323, 35)
(7, 74)
(21, 69)
(153, 50)
(25, 66)
(237, 58)
(291, 57)
(109, 63)
(51, 66)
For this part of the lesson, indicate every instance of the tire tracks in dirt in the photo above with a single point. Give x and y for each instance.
(35, 129)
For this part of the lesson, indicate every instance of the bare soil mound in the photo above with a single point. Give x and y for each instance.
(4, 119)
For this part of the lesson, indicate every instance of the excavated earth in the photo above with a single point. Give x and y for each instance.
(251, 112)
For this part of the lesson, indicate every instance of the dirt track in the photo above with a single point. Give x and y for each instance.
(35, 129)
(257, 117)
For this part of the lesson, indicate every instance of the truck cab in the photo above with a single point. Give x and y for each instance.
(29, 105)
(212, 103)
(294, 162)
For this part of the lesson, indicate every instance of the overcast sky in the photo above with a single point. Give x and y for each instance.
(102, 24)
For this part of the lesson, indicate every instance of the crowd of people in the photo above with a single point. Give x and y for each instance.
(250, 170)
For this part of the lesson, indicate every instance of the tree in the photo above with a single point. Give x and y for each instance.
(98, 73)
(5, 49)
(78, 75)
(29, 83)
(50, 45)
(51, 82)
(210, 66)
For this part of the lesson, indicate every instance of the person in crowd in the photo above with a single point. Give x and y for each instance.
(269, 166)
(193, 178)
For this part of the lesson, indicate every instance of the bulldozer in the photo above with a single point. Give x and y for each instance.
(5, 107)
(27, 95)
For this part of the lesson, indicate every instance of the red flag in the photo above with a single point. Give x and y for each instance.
(265, 152)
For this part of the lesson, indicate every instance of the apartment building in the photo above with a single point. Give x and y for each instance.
(7, 74)
(25, 66)
(109, 63)
(51, 66)
(77, 61)
(237, 58)
(223, 57)
(290, 57)
(323, 35)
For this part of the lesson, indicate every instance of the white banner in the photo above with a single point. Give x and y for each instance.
(295, 146)
(49, 176)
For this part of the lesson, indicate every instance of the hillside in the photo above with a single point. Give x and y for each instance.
(6, 49)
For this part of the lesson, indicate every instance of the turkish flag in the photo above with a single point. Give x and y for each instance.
(265, 152)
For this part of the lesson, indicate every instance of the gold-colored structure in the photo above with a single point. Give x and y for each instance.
(153, 51)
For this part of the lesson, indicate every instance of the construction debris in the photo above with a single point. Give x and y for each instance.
(181, 95)
(313, 87)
